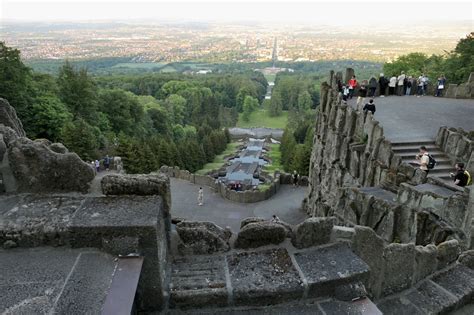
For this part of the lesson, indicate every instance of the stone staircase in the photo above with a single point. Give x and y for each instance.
(408, 150)
(319, 280)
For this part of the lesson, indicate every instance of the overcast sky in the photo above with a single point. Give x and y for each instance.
(304, 12)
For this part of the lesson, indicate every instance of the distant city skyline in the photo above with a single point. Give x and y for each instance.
(367, 12)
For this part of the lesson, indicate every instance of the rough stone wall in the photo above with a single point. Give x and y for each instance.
(350, 153)
(458, 145)
(349, 150)
(464, 90)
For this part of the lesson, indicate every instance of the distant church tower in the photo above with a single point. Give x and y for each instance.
(275, 52)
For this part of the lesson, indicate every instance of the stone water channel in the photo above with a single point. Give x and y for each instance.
(245, 169)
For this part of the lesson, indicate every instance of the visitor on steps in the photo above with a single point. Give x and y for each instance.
(369, 107)
(424, 159)
(383, 85)
(97, 166)
(392, 84)
(461, 176)
(372, 86)
(352, 85)
(362, 94)
(440, 87)
(200, 196)
(400, 82)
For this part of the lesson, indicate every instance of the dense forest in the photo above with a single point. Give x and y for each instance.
(149, 120)
(299, 95)
(456, 65)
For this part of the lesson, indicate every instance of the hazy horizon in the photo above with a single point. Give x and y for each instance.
(340, 13)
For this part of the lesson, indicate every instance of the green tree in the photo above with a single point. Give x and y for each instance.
(275, 105)
(78, 92)
(47, 117)
(304, 101)
(80, 137)
(250, 105)
(15, 81)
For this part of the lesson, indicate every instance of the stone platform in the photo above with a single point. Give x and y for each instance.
(54, 280)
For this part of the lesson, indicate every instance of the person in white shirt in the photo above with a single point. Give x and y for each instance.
(200, 196)
(400, 81)
(424, 158)
(392, 85)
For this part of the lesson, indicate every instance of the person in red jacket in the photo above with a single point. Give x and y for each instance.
(352, 86)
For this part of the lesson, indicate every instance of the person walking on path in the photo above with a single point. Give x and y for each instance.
(200, 196)
(97, 166)
(295, 178)
(352, 86)
(107, 162)
(362, 95)
(382, 85)
(369, 107)
(461, 177)
(392, 85)
(372, 86)
(440, 87)
(400, 82)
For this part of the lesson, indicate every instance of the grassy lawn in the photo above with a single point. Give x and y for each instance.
(270, 77)
(275, 155)
(261, 118)
(219, 159)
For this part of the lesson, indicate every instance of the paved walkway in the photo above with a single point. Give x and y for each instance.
(406, 118)
(285, 204)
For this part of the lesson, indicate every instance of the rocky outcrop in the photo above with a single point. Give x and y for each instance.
(464, 90)
(8, 118)
(199, 238)
(37, 168)
(313, 232)
(258, 234)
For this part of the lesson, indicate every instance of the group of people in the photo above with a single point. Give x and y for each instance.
(397, 85)
(427, 162)
(106, 162)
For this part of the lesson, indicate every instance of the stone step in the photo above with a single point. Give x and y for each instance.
(265, 277)
(309, 307)
(440, 160)
(416, 143)
(411, 155)
(413, 148)
(442, 293)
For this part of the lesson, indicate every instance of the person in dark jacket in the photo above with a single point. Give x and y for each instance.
(382, 84)
(370, 106)
(372, 86)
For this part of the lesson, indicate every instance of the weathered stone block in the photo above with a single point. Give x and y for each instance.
(467, 258)
(328, 267)
(202, 238)
(399, 262)
(369, 247)
(313, 232)
(260, 234)
(448, 252)
(264, 277)
(425, 262)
